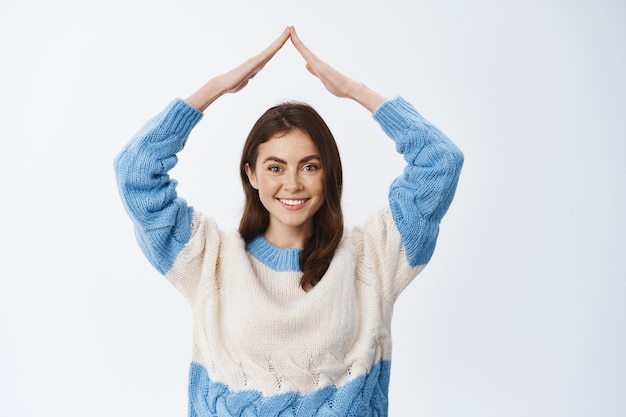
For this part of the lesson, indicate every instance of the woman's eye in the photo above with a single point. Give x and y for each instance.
(273, 168)
(311, 167)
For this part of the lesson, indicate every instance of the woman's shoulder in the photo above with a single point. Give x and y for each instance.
(206, 229)
(375, 238)
(376, 223)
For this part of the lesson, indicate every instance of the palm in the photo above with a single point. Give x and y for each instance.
(334, 81)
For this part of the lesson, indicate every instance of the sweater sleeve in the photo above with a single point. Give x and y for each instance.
(420, 197)
(162, 220)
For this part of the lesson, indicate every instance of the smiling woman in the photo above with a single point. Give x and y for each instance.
(292, 313)
(287, 140)
(290, 184)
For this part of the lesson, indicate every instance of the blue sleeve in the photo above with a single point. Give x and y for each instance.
(420, 197)
(162, 220)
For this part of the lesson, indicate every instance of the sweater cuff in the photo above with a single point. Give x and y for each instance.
(180, 117)
(396, 114)
(399, 119)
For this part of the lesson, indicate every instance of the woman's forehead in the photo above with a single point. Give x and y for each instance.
(293, 145)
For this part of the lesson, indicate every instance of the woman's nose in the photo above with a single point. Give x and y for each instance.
(292, 182)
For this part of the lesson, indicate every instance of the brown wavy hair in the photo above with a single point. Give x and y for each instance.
(319, 248)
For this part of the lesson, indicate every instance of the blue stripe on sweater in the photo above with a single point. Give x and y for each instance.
(279, 259)
(420, 197)
(364, 396)
(162, 220)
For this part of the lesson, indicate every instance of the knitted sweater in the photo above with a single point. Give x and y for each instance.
(261, 345)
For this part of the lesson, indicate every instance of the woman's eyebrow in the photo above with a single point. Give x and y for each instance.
(274, 159)
(282, 161)
(309, 158)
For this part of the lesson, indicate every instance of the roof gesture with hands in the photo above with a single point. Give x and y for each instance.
(237, 78)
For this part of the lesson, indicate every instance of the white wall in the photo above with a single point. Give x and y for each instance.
(520, 312)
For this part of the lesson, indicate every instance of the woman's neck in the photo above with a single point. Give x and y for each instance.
(293, 238)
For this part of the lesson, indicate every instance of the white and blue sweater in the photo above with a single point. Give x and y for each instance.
(261, 345)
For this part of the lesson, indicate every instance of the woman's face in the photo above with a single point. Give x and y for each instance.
(290, 180)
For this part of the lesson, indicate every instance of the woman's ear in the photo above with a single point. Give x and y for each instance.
(251, 176)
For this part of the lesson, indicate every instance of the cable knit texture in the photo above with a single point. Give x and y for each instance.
(261, 345)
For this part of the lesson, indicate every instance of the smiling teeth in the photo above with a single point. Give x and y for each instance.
(292, 202)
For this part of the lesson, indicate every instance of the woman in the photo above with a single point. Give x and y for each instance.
(292, 314)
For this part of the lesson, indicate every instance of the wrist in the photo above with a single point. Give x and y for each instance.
(206, 94)
(365, 96)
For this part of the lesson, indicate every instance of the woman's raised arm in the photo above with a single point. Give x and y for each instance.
(162, 219)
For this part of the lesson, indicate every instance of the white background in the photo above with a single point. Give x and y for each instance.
(521, 311)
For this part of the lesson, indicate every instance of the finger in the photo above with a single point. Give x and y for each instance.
(297, 42)
(284, 36)
(279, 42)
(301, 47)
(268, 53)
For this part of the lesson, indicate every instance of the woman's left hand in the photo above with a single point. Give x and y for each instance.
(334, 81)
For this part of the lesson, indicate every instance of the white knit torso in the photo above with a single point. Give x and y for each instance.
(255, 328)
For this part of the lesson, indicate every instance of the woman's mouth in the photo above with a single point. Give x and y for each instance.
(292, 202)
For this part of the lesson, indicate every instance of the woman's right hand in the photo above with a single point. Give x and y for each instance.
(237, 78)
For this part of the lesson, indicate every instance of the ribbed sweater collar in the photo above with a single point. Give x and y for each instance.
(278, 259)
